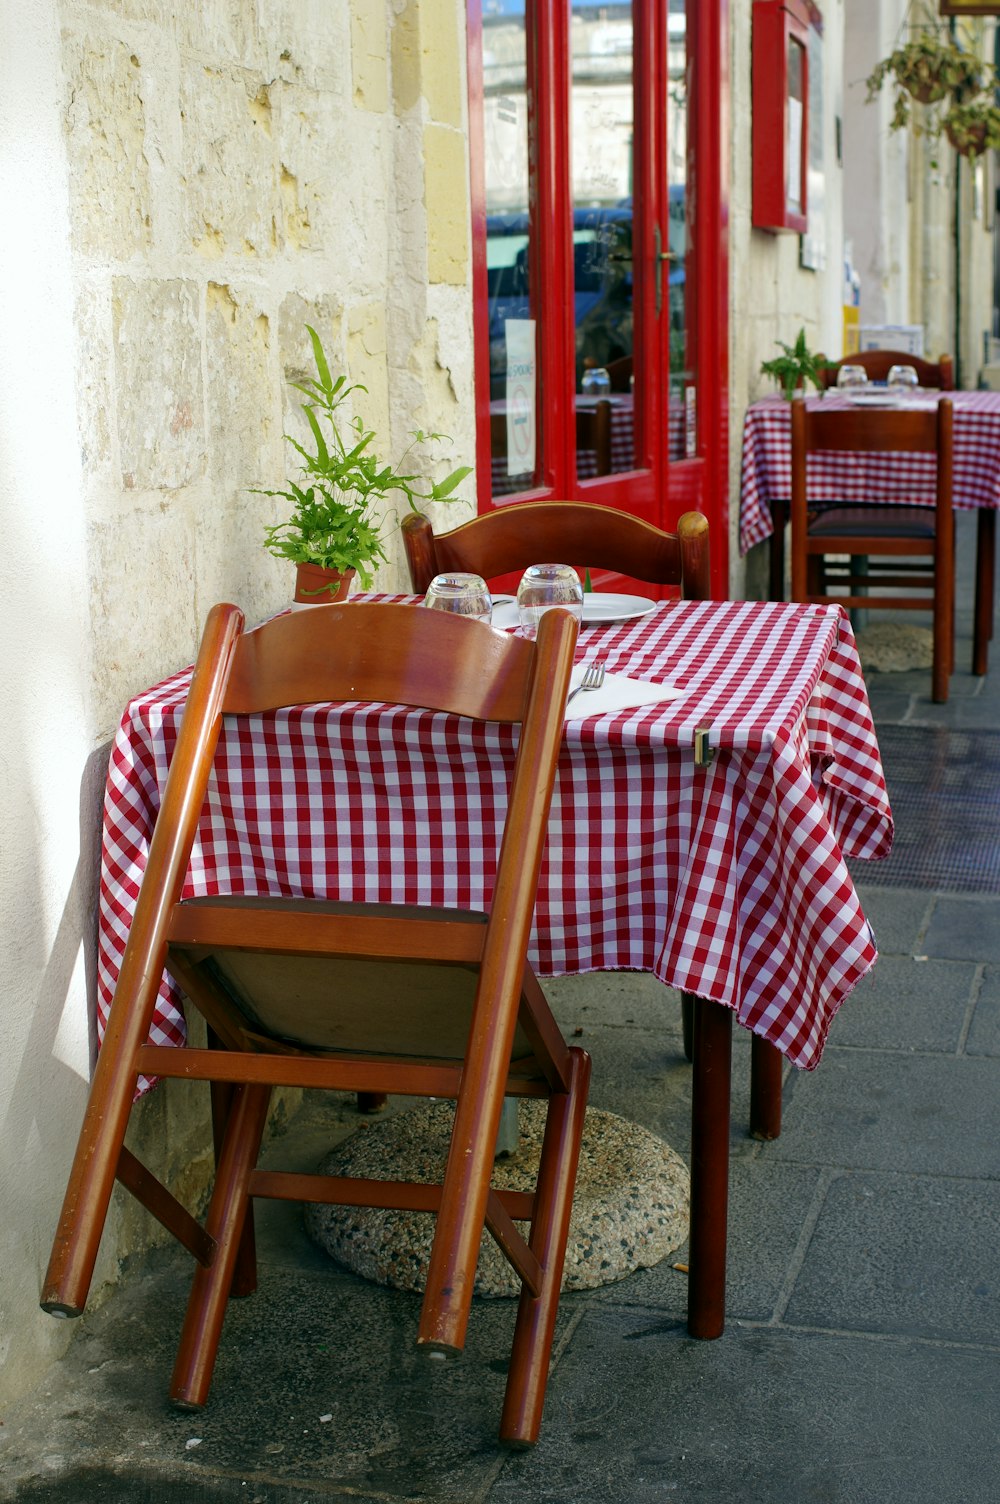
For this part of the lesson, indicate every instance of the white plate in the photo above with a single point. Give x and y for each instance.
(872, 399)
(602, 609)
(598, 609)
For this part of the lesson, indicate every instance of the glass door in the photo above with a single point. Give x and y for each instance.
(589, 262)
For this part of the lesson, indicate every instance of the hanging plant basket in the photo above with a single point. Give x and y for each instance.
(972, 128)
(927, 70)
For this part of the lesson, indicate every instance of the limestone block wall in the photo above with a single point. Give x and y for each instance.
(190, 185)
(236, 171)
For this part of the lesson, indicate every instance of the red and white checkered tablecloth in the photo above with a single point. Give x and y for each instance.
(728, 881)
(766, 474)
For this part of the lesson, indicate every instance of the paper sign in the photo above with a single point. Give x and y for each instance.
(520, 336)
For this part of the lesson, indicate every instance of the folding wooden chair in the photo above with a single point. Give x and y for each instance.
(350, 996)
(823, 540)
(574, 532)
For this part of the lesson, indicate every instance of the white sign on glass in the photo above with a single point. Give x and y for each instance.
(520, 337)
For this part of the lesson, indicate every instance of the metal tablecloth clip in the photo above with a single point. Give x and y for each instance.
(703, 753)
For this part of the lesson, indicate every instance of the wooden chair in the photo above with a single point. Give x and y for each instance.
(620, 372)
(593, 434)
(939, 374)
(309, 993)
(574, 532)
(892, 532)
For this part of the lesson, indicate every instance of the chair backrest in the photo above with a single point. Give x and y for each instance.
(593, 434)
(878, 363)
(620, 372)
(573, 532)
(816, 429)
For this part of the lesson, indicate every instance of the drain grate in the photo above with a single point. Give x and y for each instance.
(944, 788)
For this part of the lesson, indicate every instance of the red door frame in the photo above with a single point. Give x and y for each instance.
(702, 481)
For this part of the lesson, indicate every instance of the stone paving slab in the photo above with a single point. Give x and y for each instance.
(924, 1003)
(762, 1415)
(889, 1110)
(909, 1254)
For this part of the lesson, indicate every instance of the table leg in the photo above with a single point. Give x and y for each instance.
(765, 1089)
(710, 1095)
(986, 528)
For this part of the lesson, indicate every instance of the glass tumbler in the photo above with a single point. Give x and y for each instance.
(463, 594)
(850, 376)
(595, 382)
(902, 379)
(543, 586)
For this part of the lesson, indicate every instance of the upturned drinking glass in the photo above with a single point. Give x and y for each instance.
(463, 594)
(544, 586)
(903, 379)
(851, 376)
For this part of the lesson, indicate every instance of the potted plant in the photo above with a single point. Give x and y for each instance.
(339, 511)
(795, 366)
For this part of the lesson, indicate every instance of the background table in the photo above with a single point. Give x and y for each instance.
(727, 881)
(766, 482)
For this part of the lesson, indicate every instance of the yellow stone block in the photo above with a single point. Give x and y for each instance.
(446, 198)
(427, 60)
(368, 55)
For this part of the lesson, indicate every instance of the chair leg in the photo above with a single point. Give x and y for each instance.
(765, 1089)
(986, 528)
(245, 1273)
(536, 1315)
(226, 1215)
(710, 1099)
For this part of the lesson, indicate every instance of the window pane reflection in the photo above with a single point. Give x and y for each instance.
(602, 147)
(514, 437)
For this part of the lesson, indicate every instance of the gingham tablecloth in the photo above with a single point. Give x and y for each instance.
(766, 474)
(728, 880)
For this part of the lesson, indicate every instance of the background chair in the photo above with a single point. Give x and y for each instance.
(939, 374)
(936, 374)
(350, 996)
(884, 532)
(574, 532)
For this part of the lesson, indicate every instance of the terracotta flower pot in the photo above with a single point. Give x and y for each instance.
(316, 586)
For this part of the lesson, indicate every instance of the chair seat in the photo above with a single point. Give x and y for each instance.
(874, 522)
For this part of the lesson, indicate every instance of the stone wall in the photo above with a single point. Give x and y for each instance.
(190, 185)
(237, 171)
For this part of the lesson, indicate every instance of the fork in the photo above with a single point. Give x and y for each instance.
(593, 678)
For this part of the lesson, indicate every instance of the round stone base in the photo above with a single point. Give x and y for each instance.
(888, 648)
(630, 1208)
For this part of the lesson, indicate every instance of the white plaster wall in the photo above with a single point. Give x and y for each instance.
(184, 188)
(46, 791)
(772, 296)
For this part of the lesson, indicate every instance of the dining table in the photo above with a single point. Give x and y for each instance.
(701, 837)
(766, 479)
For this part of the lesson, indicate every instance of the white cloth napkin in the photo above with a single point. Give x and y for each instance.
(618, 692)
